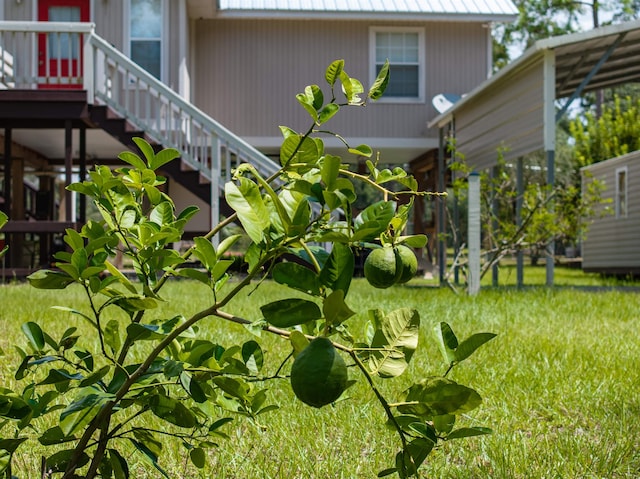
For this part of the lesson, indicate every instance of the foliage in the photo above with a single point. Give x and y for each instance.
(543, 19)
(615, 133)
(560, 214)
(90, 399)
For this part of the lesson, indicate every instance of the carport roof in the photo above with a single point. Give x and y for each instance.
(514, 111)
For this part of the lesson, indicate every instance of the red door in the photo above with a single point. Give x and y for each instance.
(60, 54)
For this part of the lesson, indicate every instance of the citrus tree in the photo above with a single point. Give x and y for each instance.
(92, 406)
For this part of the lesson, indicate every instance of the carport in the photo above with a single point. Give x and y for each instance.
(517, 109)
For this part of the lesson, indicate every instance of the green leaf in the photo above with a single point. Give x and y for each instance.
(53, 436)
(162, 214)
(246, 200)
(413, 241)
(362, 150)
(45, 279)
(330, 171)
(34, 334)
(112, 335)
(468, 432)
(163, 157)
(81, 411)
(381, 213)
(307, 105)
(233, 387)
(335, 309)
(299, 149)
(333, 71)
(298, 342)
(327, 112)
(118, 465)
(73, 239)
(198, 457)
(95, 377)
(380, 84)
(467, 347)
(337, 271)
(133, 159)
(59, 461)
(394, 341)
(286, 313)
(149, 455)
(205, 252)
(144, 332)
(447, 341)
(297, 277)
(252, 356)
(3, 219)
(122, 279)
(436, 396)
(172, 410)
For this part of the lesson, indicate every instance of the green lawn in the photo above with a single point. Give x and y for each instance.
(561, 384)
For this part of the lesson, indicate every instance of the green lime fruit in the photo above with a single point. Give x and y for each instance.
(381, 267)
(318, 374)
(409, 263)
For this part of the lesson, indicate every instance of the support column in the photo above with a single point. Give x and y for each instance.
(519, 202)
(549, 137)
(83, 173)
(6, 187)
(17, 212)
(474, 227)
(495, 273)
(440, 223)
(68, 166)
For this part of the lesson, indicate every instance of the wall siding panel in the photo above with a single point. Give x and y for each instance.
(611, 244)
(248, 72)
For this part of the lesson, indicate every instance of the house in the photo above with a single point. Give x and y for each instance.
(611, 242)
(214, 79)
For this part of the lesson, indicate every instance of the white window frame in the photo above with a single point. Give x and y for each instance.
(164, 50)
(421, 62)
(620, 213)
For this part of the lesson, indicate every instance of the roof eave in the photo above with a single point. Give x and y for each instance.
(375, 16)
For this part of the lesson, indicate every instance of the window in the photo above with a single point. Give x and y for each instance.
(404, 48)
(146, 22)
(64, 45)
(621, 192)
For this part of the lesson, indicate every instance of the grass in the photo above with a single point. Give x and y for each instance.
(560, 385)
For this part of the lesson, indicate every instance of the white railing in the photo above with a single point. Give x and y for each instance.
(42, 54)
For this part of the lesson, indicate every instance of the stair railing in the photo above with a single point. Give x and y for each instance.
(75, 55)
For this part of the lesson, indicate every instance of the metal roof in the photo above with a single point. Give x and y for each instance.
(614, 50)
(480, 10)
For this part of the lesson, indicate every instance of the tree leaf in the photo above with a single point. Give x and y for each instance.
(149, 455)
(335, 309)
(59, 461)
(362, 150)
(112, 335)
(468, 432)
(172, 410)
(163, 157)
(333, 71)
(447, 341)
(81, 411)
(395, 340)
(380, 84)
(133, 159)
(467, 347)
(297, 277)
(34, 334)
(252, 356)
(436, 396)
(162, 214)
(118, 465)
(381, 211)
(337, 271)
(286, 313)
(327, 112)
(46, 279)
(205, 252)
(246, 200)
(198, 457)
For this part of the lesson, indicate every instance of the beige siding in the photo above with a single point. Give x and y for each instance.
(109, 18)
(516, 117)
(248, 73)
(19, 11)
(611, 243)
